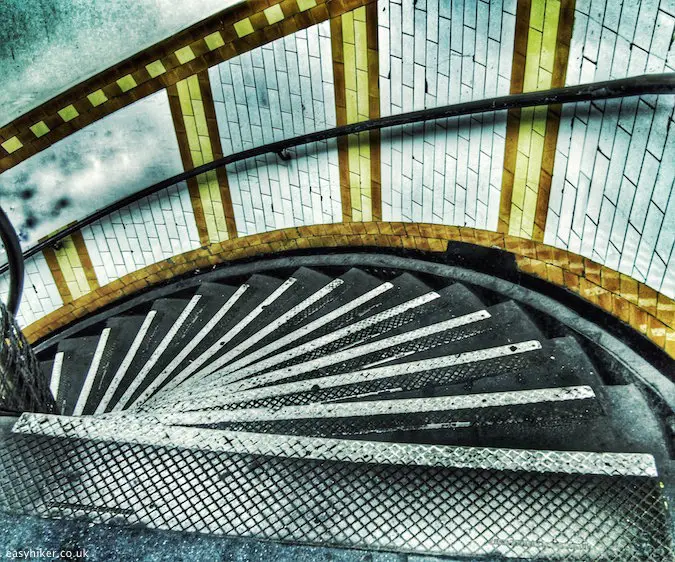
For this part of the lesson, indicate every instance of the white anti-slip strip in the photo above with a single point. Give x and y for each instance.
(359, 351)
(219, 399)
(197, 362)
(282, 342)
(180, 357)
(276, 324)
(55, 379)
(144, 430)
(157, 353)
(91, 373)
(219, 380)
(126, 363)
(383, 407)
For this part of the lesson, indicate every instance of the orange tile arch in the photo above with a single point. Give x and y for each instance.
(644, 309)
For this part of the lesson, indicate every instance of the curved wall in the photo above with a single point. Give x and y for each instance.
(595, 180)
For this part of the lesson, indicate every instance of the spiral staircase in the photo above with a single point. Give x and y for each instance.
(365, 407)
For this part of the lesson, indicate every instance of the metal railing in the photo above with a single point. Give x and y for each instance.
(649, 84)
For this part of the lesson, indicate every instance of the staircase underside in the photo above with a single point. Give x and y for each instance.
(360, 401)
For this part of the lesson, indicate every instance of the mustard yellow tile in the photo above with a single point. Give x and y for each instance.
(200, 118)
(205, 148)
(126, 83)
(350, 66)
(360, 14)
(362, 94)
(305, 4)
(184, 55)
(71, 254)
(348, 28)
(364, 169)
(274, 14)
(353, 153)
(544, 79)
(11, 145)
(243, 27)
(184, 98)
(537, 13)
(155, 68)
(529, 210)
(550, 34)
(519, 180)
(214, 41)
(197, 158)
(82, 281)
(531, 78)
(535, 157)
(352, 106)
(515, 222)
(97, 98)
(68, 113)
(361, 42)
(193, 87)
(211, 227)
(364, 145)
(191, 130)
(39, 129)
(539, 119)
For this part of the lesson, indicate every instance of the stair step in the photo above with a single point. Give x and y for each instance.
(464, 333)
(568, 365)
(437, 336)
(466, 414)
(420, 499)
(341, 295)
(531, 356)
(122, 332)
(371, 319)
(74, 360)
(296, 293)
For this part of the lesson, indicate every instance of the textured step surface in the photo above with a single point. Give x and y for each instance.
(375, 410)
(403, 497)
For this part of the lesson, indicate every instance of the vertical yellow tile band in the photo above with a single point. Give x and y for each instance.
(199, 143)
(72, 268)
(355, 49)
(539, 66)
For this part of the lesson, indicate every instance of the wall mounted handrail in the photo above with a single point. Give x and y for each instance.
(648, 84)
(14, 262)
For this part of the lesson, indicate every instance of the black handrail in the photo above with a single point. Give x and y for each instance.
(14, 262)
(647, 84)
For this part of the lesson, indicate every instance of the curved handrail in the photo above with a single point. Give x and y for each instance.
(14, 262)
(647, 84)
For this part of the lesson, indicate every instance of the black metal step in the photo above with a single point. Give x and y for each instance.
(390, 496)
(123, 330)
(77, 357)
(489, 328)
(158, 323)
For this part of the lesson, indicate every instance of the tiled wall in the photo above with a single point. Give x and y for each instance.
(40, 295)
(150, 230)
(431, 54)
(275, 92)
(612, 196)
(612, 176)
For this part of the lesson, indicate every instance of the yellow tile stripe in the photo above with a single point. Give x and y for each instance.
(539, 67)
(201, 152)
(353, 89)
(75, 275)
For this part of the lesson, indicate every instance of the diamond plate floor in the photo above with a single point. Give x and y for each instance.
(363, 429)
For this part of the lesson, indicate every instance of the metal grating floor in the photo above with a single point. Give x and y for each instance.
(417, 509)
